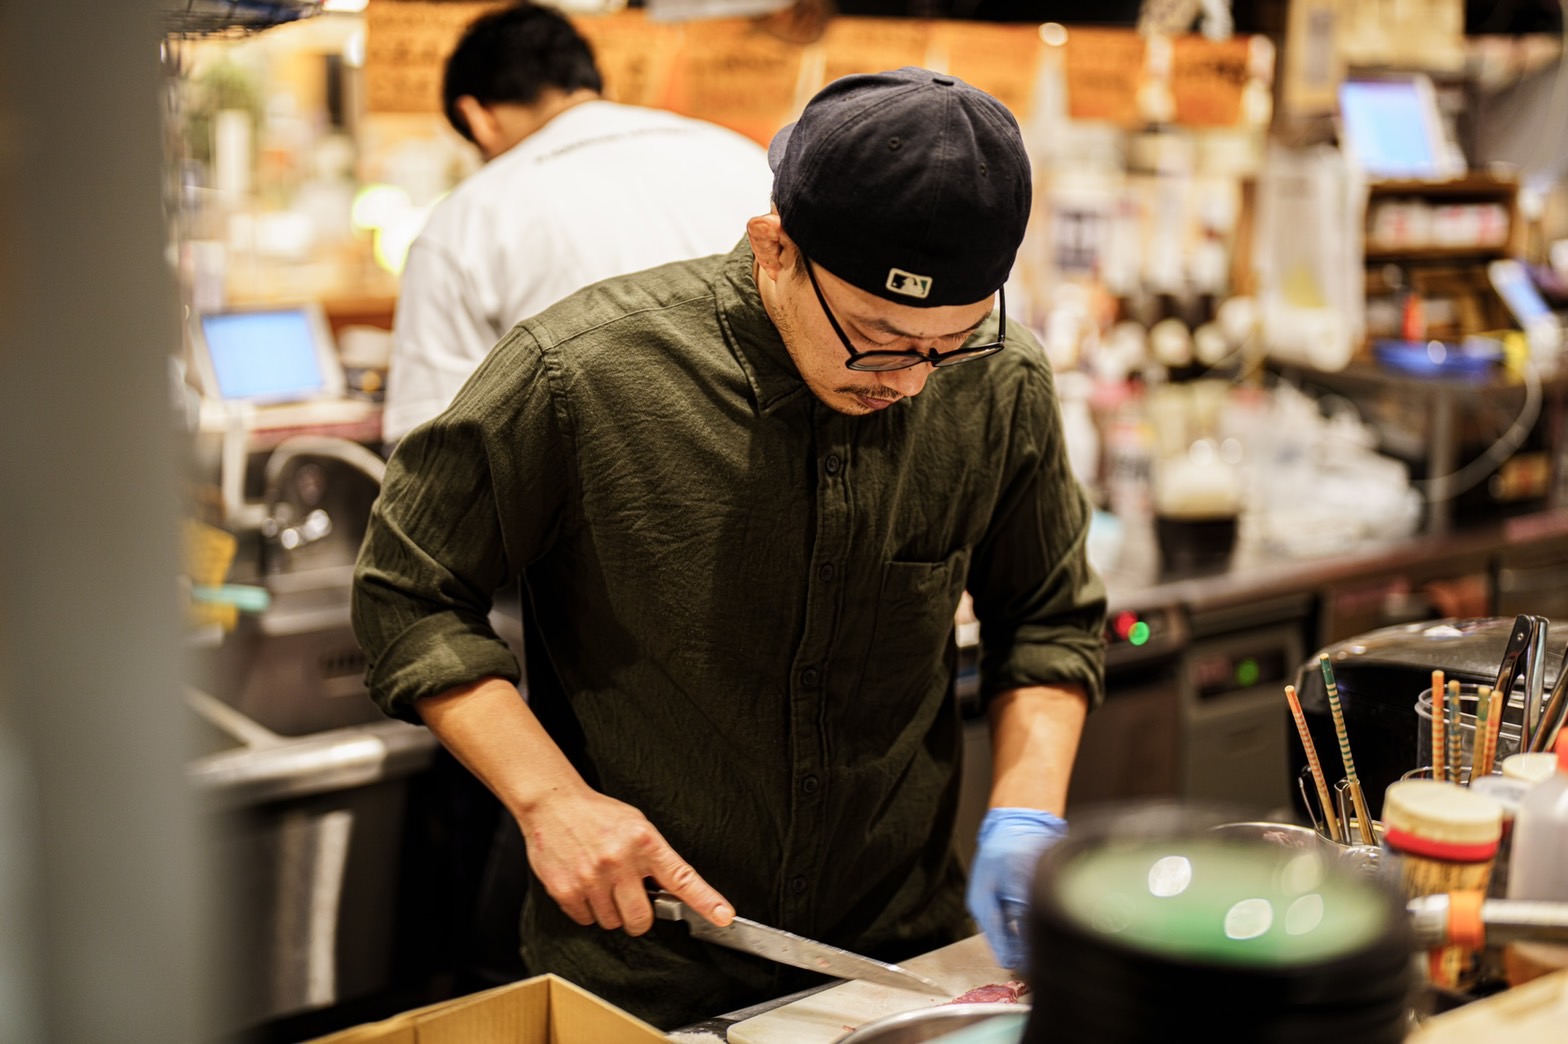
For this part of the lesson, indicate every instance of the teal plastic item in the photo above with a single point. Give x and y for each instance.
(244, 597)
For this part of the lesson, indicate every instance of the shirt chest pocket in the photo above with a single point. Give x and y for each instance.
(913, 617)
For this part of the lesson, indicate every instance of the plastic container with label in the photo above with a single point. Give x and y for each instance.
(1539, 867)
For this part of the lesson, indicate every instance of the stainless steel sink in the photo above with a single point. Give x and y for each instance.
(306, 784)
(305, 835)
(294, 668)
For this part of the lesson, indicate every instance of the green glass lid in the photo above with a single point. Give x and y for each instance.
(1221, 901)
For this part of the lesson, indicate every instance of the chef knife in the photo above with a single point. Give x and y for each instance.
(787, 948)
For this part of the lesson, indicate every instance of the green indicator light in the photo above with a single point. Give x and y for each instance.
(1139, 633)
(1247, 672)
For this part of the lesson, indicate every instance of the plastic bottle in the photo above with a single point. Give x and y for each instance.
(1129, 462)
(1539, 867)
(1083, 436)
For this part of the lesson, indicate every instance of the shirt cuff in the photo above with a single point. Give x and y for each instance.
(434, 655)
(1070, 658)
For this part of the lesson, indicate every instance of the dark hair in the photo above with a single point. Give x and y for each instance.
(512, 55)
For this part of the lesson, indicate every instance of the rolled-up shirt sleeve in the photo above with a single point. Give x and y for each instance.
(435, 551)
(1040, 604)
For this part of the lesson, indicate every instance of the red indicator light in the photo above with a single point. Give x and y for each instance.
(1124, 623)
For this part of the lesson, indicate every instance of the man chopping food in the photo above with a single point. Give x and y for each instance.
(744, 503)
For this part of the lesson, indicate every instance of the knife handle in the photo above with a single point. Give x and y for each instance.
(666, 906)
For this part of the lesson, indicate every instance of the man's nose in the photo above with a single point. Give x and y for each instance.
(910, 380)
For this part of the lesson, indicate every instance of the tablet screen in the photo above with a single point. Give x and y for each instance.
(266, 355)
(1392, 128)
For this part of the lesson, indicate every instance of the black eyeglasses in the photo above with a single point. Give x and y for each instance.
(887, 360)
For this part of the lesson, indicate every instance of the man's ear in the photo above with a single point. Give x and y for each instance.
(768, 243)
(483, 126)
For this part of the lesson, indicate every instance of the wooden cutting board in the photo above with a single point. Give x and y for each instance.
(826, 1016)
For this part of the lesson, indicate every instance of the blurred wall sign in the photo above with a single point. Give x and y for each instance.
(865, 45)
(1207, 80)
(1002, 60)
(406, 46)
(737, 75)
(407, 43)
(635, 55)
(1404, 34)
(1104, 70)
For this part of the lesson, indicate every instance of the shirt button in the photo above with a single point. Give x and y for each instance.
(798, 885)
(809, 785)
(832, 464)
(808, 677)
(825, 572)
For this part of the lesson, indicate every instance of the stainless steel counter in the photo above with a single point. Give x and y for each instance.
(1258, 575)
(1196, 664)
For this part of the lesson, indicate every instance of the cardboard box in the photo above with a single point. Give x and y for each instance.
(1532, 1013)
(543, 1010)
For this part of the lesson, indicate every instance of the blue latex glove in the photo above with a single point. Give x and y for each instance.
(1010, 844)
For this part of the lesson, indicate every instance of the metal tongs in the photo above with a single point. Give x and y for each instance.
(1541, 716)
(1521, 640)
(1553, 712)
(1525, 658)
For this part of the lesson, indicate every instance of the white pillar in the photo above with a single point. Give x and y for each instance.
(98, 831)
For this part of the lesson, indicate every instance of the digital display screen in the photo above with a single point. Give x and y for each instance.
(1389, 125)
(266, 356)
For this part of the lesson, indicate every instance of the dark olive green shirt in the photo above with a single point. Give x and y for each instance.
(745, 602)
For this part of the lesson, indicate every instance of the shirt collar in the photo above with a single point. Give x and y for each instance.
(752, 337)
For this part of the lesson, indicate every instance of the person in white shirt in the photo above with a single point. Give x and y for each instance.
(574, 189)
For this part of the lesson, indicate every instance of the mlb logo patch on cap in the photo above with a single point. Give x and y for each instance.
(907, 283)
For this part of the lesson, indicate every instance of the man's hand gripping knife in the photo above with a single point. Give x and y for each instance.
(591, 852)
(1010, 843)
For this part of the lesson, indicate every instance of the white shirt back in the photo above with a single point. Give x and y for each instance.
(601, 190)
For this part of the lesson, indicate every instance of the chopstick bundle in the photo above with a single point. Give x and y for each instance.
(1480, 764)
(1363, 815)
(1331, 821)
(1456, 748)
(1498, 702)
(1439, 748)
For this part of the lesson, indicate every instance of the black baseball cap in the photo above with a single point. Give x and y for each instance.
(911, 185)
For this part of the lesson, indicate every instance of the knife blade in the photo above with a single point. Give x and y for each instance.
(776, 944)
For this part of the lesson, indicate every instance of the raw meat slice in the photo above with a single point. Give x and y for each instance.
(993, 994)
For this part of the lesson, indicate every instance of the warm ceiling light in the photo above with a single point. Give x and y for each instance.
(1053, 34)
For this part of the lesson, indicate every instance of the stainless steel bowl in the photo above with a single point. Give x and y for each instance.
(1366, 859)
(910, 1027)
(1285, 835)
